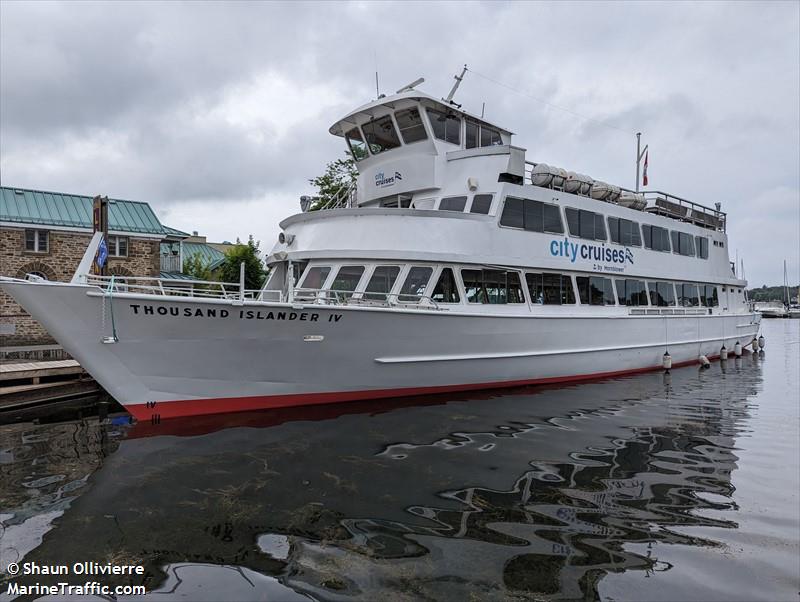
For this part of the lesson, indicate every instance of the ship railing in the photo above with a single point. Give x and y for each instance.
(328, 296)
(344, 198)
(205, 289)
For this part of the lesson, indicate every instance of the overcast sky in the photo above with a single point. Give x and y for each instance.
(218, 114)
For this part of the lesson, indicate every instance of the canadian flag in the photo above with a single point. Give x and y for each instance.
(644, 174)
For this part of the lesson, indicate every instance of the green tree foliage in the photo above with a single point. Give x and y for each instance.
(195, 267)
(771, 293)
(254, 272)
(339, 175)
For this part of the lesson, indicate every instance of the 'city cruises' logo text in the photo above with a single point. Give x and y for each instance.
(381, 181)
(574, 250)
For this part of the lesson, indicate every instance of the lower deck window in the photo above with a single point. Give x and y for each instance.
(492, 286)
(708, 296)
(315, 277)
(415, 284)
(662, 294)
(595, 290)
(632, 293)
(446, 290)
(550, 289)
(688, 295)
(381, 282)
(347, 279)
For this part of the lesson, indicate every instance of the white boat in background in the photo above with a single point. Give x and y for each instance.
(454, 264)
(772, 309)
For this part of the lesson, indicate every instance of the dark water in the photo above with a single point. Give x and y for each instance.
(651, 487)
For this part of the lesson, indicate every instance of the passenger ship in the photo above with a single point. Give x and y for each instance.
(453, 264)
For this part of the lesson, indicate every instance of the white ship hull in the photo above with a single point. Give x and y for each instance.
(184, 356)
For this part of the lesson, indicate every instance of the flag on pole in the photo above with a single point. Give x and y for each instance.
(644, 174)
(102, 253)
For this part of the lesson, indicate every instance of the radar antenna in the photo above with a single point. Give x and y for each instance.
(458, 79)
(411, 86)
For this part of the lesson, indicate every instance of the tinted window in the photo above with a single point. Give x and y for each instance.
(531, 215)
(453, 203)
(481, 203)
(688, 295)
(682, 243)
(631, 292)
(595, 290)
(358, 147)
(415, 284)
(471, 134)
(347, 279)
(381, 282)
(550, 289)
(624, 232)
(381, 135)
(662, 294)
(445, 127)
(711, 298)
(702, 246)
(490, 137)
(446, 290)
(585, 224)
(492, 286)
(315, 277)
(655, 238)
(410, 124)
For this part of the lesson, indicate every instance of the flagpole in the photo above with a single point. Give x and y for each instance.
(638, 157)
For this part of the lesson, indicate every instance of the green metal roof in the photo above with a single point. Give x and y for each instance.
(209, 255)
(175, 276)
(176, 232)
(25, 206)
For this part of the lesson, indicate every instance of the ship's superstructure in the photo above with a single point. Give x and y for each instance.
(454, 264)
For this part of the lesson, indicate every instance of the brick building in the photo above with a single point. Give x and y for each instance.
(47, 233)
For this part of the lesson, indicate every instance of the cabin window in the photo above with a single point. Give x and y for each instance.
(490, 137)
(381, 282)
(701, 243)
(347, 279)
(662, 294)
(682, 243)
(655, 238)
(37, 241)
(415, 284)
(492, 286)
(531, 215)
(688, 295)
(446, 290)
(632, 293)
(550, 289)
(118, 246)
(708, 296)
(380, 135)
(595, 290)
(445, 127)
(585, 224)
(481, 203)
(316, 276)
(411, 127)
(358, 148)
(453, 203)
(624, 232)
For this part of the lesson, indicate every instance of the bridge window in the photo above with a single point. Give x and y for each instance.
(471, 134)
(585, 224)
(655, 238)
(36, 241)
(531, 215)
(446, 290)
(453, 203)
(381, 135)
(381, 282)
(595, 290)
(702, 246)
(662, 294)
(550, 289)
(358, 148)
(492, 286)
(708, 296)
(682, 243)
(632, 293)
(347, 279)
(415, 284)
(315, 277)
(481, 203)
(411, 127)
(688, 295)
(490, 137)
(624, 232)
(445, 127)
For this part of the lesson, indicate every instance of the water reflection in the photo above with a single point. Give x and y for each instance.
(539, 492)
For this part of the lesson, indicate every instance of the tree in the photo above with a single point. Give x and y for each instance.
(339, 176)
(195, 267)
(254, 272)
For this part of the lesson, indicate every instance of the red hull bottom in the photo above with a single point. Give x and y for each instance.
(161, 410)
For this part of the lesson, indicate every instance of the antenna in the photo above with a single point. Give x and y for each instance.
(458, 79)
(483, 109)
(377, 89)
(411, 86)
